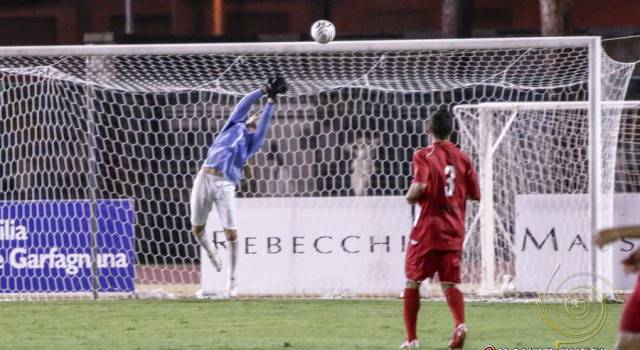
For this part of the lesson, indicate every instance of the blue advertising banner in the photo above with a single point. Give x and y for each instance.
(46, 246)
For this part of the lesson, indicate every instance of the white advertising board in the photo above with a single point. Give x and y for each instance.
(325, 246)
(355, 245)
(553, 233)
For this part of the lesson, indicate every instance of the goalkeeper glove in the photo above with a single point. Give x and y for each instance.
(276, 86)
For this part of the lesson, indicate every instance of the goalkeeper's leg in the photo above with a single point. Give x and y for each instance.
(226, 205)
(212, 251)
(200, 206)
(232, 239)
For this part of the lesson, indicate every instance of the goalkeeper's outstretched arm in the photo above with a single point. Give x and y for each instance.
(240, 112)
(274, 87)
(258, 137)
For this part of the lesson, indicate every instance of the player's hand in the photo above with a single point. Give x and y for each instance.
(276, 86)
(605, 237)
(632, 262)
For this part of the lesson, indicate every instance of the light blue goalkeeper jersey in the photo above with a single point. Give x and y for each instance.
(235, 144)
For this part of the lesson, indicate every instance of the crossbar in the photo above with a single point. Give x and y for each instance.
(297, 47)
(509, 106)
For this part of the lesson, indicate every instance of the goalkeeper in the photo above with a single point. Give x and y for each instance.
(239, 140)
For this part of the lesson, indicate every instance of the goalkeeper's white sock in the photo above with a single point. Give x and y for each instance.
(233, 258)
(211, 250)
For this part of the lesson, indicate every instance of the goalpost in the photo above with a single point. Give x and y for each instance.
(99, 145)
(488, 130)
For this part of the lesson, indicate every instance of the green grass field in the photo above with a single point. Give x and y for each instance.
(269, 324)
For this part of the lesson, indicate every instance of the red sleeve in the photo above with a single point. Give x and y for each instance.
(473, 189)
(420, 168)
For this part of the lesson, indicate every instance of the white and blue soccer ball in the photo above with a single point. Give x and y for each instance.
(323, 31)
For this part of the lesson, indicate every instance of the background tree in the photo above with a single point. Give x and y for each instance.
(457, 18)
(554, 17)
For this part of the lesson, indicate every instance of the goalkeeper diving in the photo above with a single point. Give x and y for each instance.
(240, 139)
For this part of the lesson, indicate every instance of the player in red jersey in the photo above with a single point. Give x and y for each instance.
(443, 180)
(629, 332)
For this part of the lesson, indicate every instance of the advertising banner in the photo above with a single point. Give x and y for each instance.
(329, 245)
(553, 241)
(48, 246)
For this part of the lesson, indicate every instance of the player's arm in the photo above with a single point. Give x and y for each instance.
(274, 87)
(258, 137)
(632, 262)
(241, 110)
(420, 178)
(415, 192)
(607, 236)
(604, 237)
(473, 188)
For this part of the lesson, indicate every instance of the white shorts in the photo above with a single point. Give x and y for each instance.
(207, 190)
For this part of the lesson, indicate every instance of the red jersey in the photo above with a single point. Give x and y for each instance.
(630, 320)
(450, 180)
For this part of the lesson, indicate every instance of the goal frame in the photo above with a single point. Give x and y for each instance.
(601, 267)
(592, 43)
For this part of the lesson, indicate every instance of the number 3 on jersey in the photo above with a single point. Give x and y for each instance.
(450, 186)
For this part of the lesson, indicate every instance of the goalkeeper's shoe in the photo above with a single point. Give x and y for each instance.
(232, 287)
(459, 334)
(414, 344)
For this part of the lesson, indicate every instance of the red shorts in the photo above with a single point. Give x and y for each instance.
(420, 265)
(630, 321)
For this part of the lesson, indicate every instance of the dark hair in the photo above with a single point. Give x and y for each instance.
(442, 124)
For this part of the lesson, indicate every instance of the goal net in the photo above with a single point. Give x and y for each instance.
(535, 158)
(99, 147)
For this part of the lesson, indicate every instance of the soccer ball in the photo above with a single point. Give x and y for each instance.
(323, 31)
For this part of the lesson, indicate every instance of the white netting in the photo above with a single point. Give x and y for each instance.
(627, 178)
(136, 127)
(542, 148)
